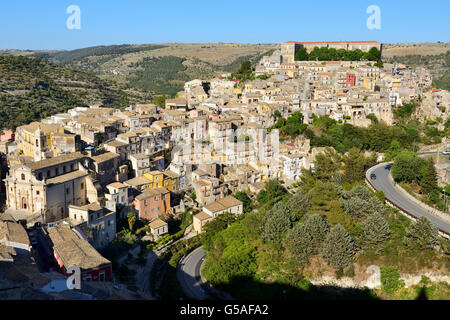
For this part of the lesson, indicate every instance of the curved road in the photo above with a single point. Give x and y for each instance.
(188, 275)
(384, 183)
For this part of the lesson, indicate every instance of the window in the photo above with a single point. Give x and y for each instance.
(48, 174)
(40, 176)
(23, 177)
(38, 193)
(156, 198)
(82, 185)
(67, 191)
(75, 216)
(56, 171)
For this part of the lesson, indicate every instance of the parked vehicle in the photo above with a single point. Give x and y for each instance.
(373, 176)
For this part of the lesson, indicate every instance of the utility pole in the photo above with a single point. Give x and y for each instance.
(445, 201)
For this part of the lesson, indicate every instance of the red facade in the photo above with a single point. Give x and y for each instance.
(350, 80)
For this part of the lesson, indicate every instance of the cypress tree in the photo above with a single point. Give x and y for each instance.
(422, 235)
(376, 230)
(318, 228)
(338, 249)
(430, 181)
(298, 243)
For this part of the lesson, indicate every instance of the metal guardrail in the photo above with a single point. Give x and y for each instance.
(411, 216)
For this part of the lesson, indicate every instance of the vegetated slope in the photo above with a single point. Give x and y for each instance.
(158, 68)
(32, 89)
(435, 57)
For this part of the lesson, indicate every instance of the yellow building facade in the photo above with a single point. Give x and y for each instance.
(158, 179)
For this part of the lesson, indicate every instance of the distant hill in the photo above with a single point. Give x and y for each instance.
(32, 89)
(432, 56)
(157, 68)
(164, 68)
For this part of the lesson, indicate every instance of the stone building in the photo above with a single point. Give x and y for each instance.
(290, 48)
(43, 190)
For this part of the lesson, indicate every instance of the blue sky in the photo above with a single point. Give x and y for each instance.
(41, 24)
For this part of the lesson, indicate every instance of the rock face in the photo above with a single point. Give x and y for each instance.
(374, 281)
(433, 106)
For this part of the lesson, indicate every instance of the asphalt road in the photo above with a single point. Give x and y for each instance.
(188, 275)
(382, 182)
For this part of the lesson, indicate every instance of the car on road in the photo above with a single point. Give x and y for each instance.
(373, 176)
(446, 152)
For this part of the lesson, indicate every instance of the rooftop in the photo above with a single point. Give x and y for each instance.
(116, 185)
(54, 161)
(74, 251)
(67, 177)
(13, 232)
(223, 204)
(138, 181)
(151, 192)
(202, 216)
(105, 157)
(158, 223)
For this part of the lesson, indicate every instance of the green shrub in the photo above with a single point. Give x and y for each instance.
(390, 280)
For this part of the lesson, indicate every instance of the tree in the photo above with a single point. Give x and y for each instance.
(299, 204)
(242, 196)
(404, 111)
(317, 227)
(298, 243)
(326, 164)
(376, 230)
(374, 54)
(283, 209)
(277, 223)
(408, 167)
(272, 190)
(359, 203)
(422, 235)
(214, 226)
(430, 181)
(302, 55)
(394, 149)
(338, 248)
(372, 118)
(277, 114)
(246, 67)
(160, 101)
(355, 166)
(131, 220)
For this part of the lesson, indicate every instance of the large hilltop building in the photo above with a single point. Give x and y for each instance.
(290, 48)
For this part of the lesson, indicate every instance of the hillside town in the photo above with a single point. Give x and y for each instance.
(70, 181)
